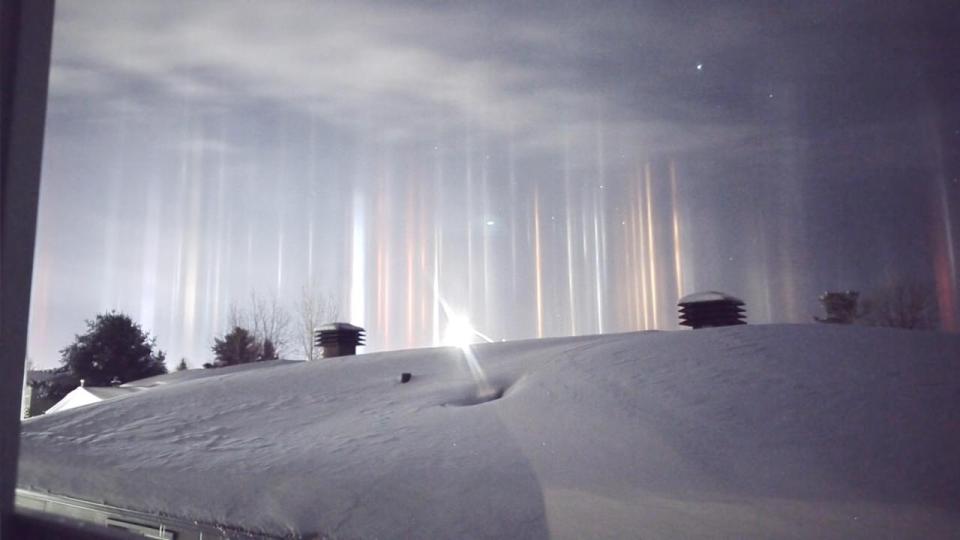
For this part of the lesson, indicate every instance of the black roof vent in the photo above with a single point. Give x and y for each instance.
(710, 308)
(338, 339)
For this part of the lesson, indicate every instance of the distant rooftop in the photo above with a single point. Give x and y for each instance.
(36, 376)
(107, 392)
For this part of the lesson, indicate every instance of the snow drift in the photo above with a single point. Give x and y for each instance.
(806, 431)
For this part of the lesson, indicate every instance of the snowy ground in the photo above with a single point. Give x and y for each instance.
(808, 431)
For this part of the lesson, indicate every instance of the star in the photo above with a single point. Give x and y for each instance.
(699, 67)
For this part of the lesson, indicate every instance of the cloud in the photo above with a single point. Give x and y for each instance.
(392, 67)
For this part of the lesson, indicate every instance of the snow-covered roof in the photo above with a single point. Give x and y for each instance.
(86, 395)
(193, 374)
(107, 392)
(708, 296)
(750, 431)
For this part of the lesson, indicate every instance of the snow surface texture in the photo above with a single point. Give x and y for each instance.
(175, 377)
(86, 395)
(806, 431)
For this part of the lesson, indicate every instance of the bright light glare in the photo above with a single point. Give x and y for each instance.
(459, 332)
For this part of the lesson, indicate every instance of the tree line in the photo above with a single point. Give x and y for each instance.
(265, 330)
(115, 349)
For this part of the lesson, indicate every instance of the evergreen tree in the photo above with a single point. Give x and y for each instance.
(268, 351)
(237, 347)
(182, 365)
(113, 347)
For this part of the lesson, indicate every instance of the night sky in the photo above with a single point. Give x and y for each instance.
(549, 169)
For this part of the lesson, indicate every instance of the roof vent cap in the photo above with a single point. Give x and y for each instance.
(709, 309)
(339, 339)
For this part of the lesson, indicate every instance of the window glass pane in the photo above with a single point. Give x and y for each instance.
(457, 172)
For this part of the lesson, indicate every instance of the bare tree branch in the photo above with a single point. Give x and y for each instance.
(266, 319)
(314, 309)
(902, 304)
(236, 317)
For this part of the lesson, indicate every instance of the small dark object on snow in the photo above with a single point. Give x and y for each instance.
(338, 339)
(405, 377)
(711, 308)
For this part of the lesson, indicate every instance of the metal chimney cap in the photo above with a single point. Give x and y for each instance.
(335, 326)
(339, 339)
(709, 296)
(710, 309)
